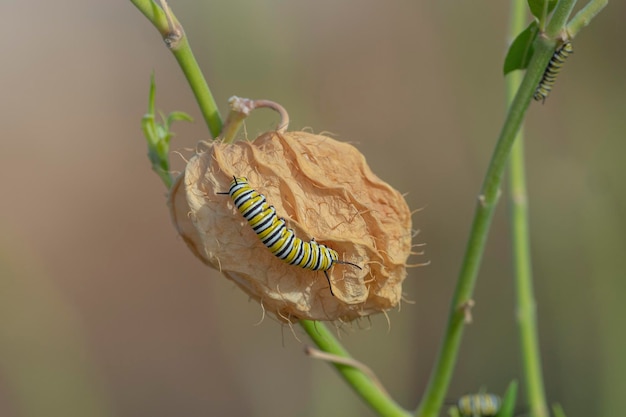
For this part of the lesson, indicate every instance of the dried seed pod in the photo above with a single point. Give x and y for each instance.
(324, 190)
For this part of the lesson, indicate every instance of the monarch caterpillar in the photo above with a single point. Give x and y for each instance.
(552, 71)
(278, 238)
(479, 405)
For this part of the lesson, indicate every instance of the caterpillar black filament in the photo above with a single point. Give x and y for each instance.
(278, 238)
(552, 71)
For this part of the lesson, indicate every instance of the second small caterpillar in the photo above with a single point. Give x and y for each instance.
(479, 405)
(552, 71)
(276, 236)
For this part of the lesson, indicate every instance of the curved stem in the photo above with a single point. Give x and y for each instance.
(284, 116)
(240, 108)
(360, 381)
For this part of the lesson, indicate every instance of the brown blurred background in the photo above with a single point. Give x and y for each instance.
(104, 311)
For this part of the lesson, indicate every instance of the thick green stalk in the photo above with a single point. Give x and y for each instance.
(373, 394)
(526, 311)
(176, 40)
(559, 18)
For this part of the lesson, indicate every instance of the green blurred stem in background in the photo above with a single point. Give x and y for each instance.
(518, 196)
(526, 307)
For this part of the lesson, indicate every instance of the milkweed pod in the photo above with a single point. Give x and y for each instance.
(325, 191)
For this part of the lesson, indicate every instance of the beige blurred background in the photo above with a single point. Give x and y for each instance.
(104, 311)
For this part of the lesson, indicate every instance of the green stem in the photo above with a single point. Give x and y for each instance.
(485, 208)
(526, 311)
(561, 13)
(173, 34)
(377, 398)
(585, 15)
(199, 86)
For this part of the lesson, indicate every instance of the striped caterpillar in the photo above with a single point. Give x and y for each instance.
(276, 236)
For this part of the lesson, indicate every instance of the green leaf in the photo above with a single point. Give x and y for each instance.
(541, 8)
(508, 401)
(178, 115)
(558, 410)
(454, 412)
(521, 50)
(158, 136)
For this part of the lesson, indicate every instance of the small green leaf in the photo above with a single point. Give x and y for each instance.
(541, 8)
(558, 410)
(158, 136)
(508, 401)
(179, 115)
(521, 50)
(454, 412)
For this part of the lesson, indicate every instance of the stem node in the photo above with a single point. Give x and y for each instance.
(466, 307)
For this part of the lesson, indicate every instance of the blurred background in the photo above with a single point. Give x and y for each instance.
(104, 310)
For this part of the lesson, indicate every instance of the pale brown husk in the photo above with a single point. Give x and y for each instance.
(324, 190)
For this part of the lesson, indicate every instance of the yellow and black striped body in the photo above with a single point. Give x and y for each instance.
(274, 234)
(552, 71)
(479, 405)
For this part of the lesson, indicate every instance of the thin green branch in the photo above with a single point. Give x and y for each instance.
(559, 18)
(520, 237)
(154, 14)
(585, 15)
(176, 40)
(364, 386)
